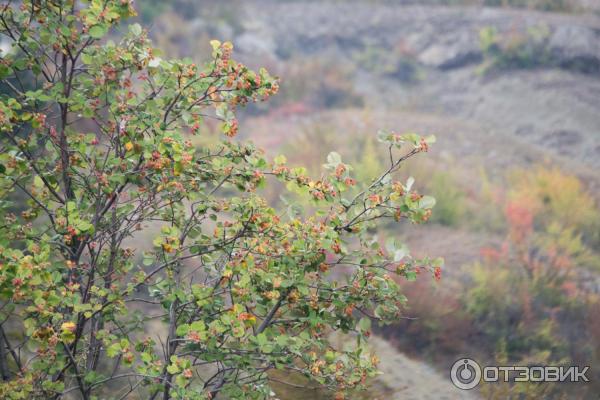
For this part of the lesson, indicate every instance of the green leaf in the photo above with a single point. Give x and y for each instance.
(427, 202)
(400, 253)
(198, 326)
(148, 260)
(146, 357)
(383, 137)
(91, 376)
(71, 206)
(182, 330)
(136, 29)
(364, 324)
(409, 183)
(261, 339)
(84, 226)
(98, 31)
(430, 139)
(5, 71)
(172, 369)
(411, 276)
(113, 350)
(280, 160)
(38, 182)
(334, 158)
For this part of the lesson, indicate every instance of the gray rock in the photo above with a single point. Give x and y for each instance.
(455, 52)
(578, 46)
(255, 43)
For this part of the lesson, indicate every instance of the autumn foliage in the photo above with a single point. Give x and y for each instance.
(530, 299)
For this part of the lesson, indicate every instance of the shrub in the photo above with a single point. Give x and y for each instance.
(557, 198)
(515, 50)
(450, 199)
(230, 288)
(529, 298)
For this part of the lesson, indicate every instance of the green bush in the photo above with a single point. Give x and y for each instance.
(450, 199)
(515, 50)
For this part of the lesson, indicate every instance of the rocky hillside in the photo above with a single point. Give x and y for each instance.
(431, 58)
(531, 78)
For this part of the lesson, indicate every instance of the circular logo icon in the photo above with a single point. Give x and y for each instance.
(465, 373)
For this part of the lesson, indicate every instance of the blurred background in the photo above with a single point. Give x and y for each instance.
(511, 89)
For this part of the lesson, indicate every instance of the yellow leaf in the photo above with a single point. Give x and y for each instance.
(68, 326)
